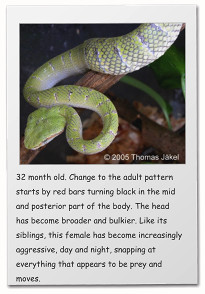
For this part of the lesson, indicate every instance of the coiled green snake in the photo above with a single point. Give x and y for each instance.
(115, 56)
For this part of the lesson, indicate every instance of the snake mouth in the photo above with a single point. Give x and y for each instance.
(47, 140)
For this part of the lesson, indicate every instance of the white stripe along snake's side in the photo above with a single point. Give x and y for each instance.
(114, 56)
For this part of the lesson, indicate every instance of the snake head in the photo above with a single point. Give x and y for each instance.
(43, 125)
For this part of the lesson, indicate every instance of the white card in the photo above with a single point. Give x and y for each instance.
(126, 215)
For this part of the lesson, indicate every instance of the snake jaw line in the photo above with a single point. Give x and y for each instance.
(47, 140)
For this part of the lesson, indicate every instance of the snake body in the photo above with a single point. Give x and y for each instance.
(118, 55)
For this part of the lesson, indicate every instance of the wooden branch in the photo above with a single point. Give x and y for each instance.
(26, 155)
(162, 139)
(98, 81)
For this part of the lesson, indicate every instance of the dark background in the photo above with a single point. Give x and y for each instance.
(41, 42)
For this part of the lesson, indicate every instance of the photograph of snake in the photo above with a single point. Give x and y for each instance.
(131, 75)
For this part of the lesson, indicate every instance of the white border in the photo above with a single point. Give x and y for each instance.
(150, 289)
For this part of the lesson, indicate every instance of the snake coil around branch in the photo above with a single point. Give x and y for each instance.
(115, 56)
